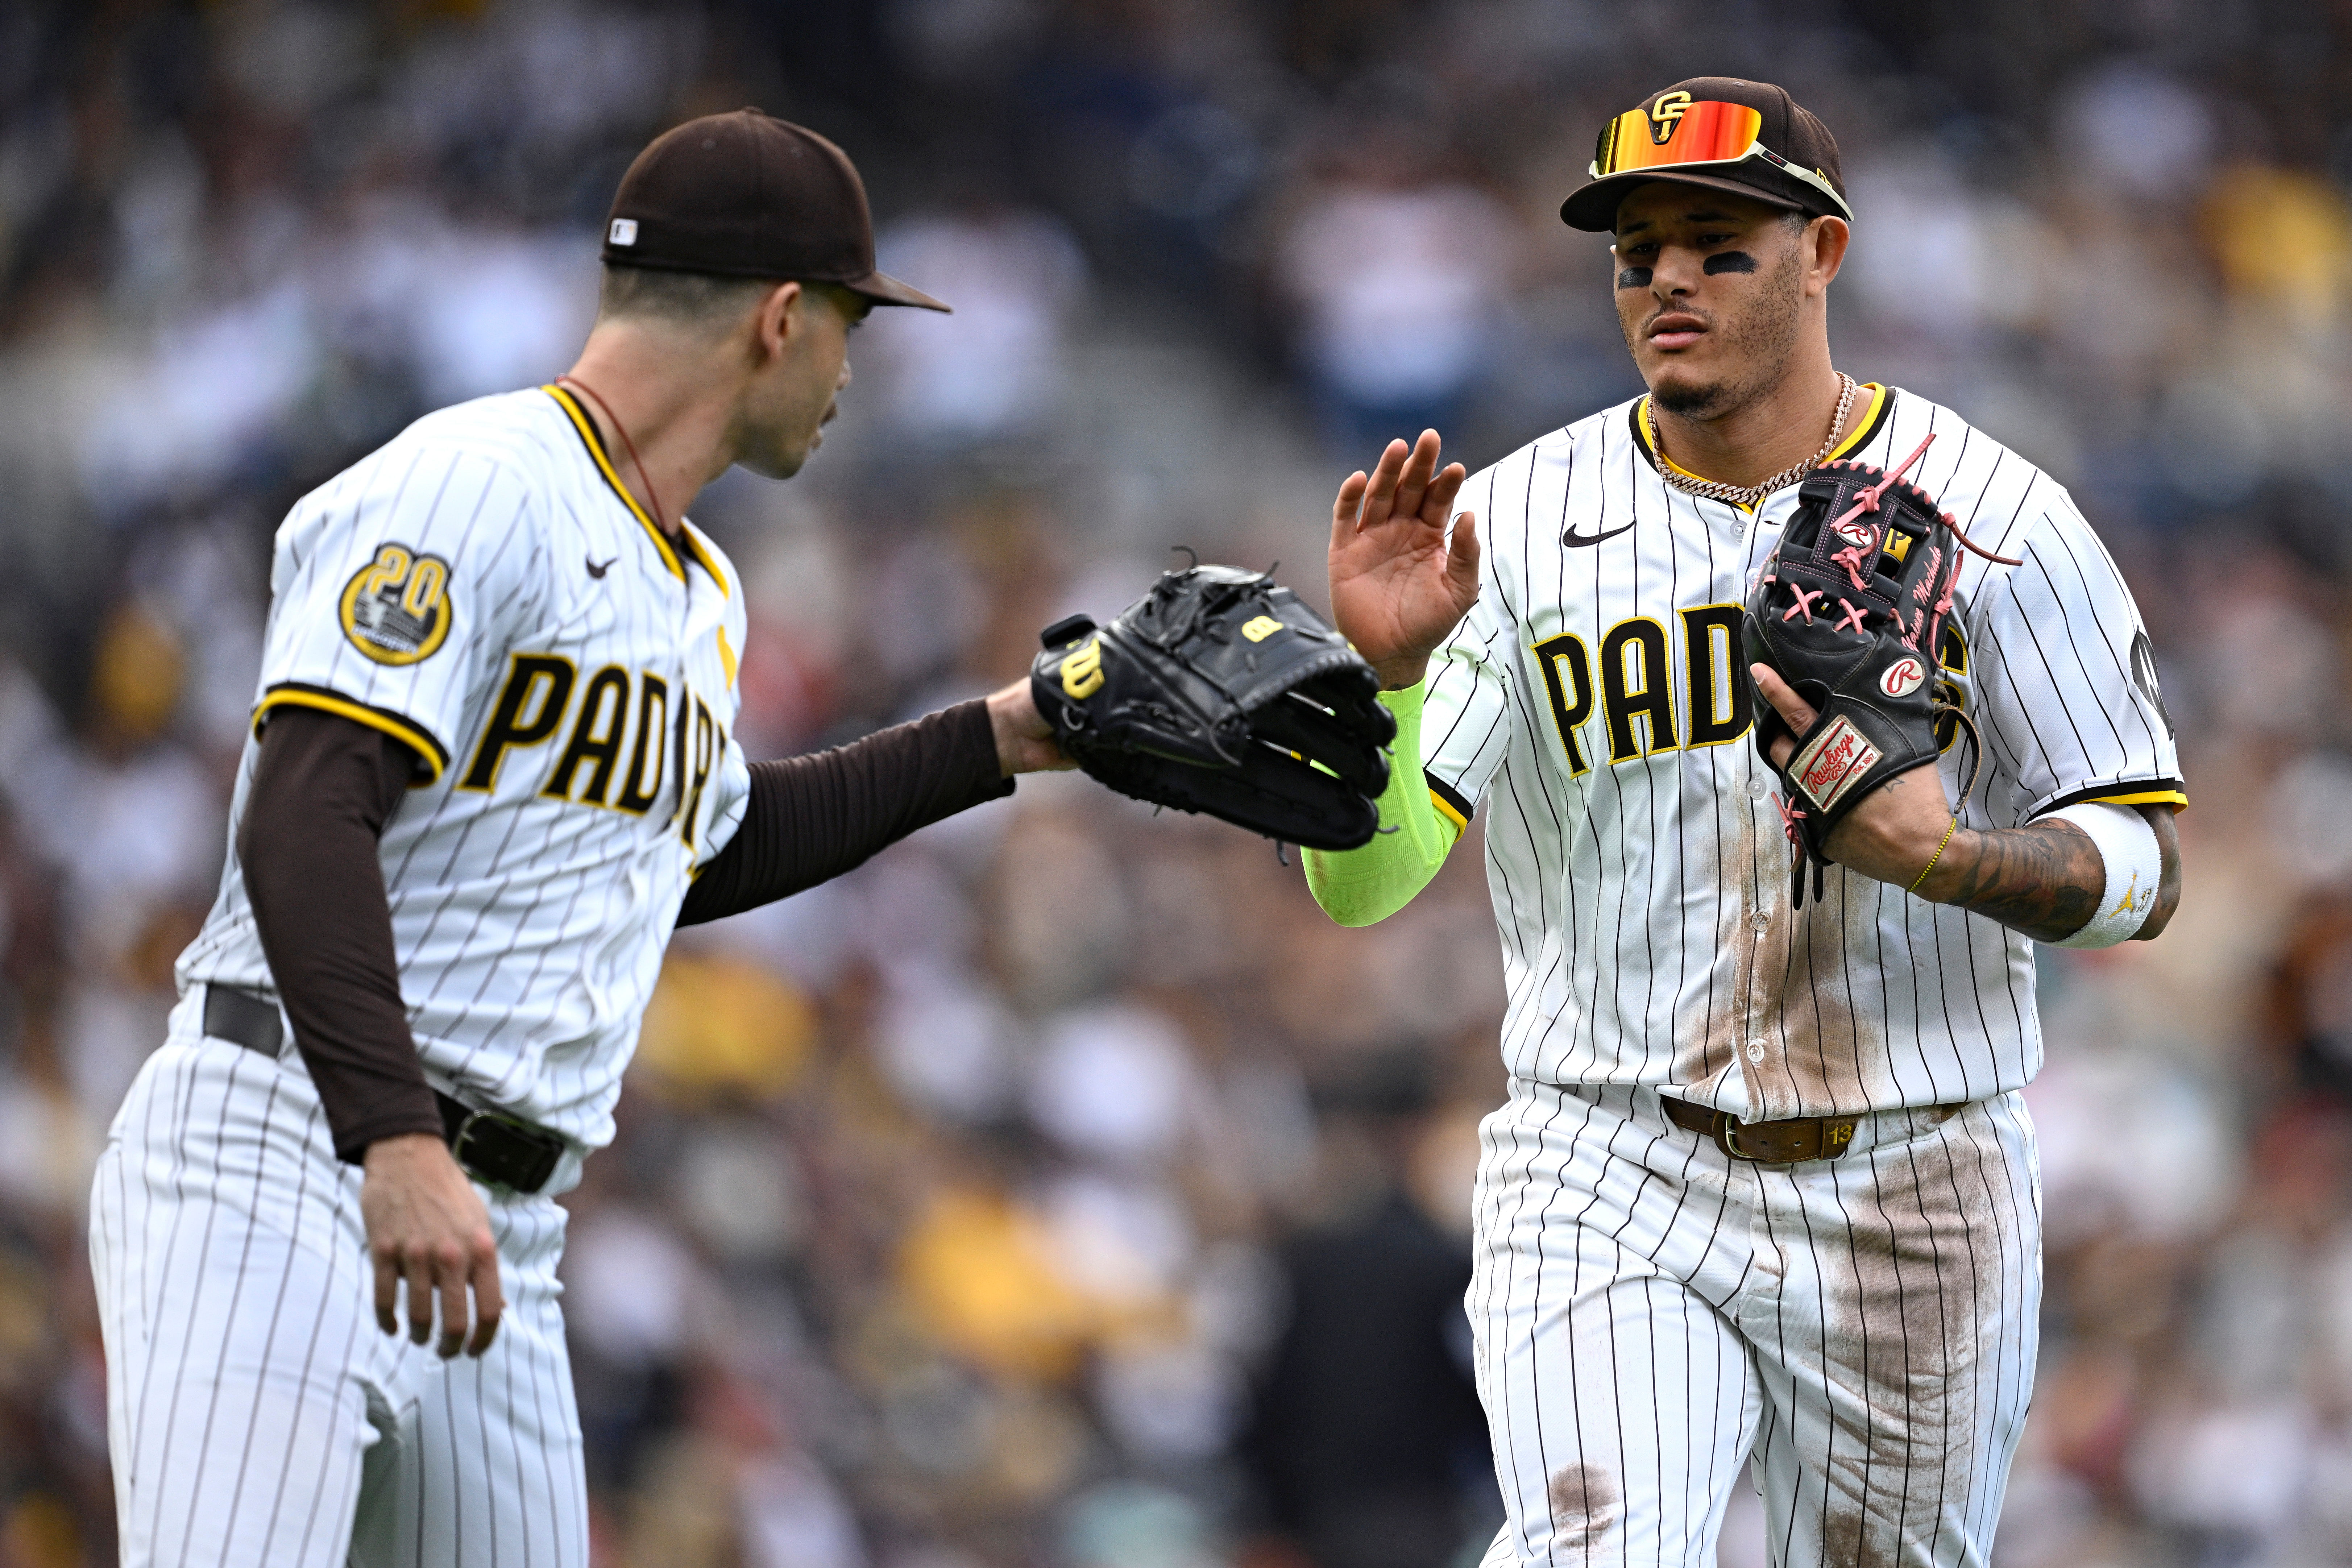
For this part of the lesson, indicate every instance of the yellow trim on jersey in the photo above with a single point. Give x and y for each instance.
(414, 736)
(1867, 428)
(1863, 431)
(726, 656)
(705, 554)
(587, 428)
(2171, 797)
(1461, 823)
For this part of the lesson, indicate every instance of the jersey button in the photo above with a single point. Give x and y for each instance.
(1755, 1050)
(1760, 920)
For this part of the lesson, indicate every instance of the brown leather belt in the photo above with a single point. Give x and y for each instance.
(1788, 1143)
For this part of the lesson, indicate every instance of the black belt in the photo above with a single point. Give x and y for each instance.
(491, 1146)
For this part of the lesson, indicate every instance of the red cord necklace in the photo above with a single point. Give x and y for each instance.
(630, 446)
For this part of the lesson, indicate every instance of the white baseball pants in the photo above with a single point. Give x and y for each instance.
(1651, 1317)
(256, 1413)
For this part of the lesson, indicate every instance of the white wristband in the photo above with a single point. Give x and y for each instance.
(2135, 867)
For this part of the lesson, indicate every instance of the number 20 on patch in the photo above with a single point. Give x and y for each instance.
(397, 609)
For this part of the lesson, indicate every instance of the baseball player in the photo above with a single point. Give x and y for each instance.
(1764, 1190)
(491, 765)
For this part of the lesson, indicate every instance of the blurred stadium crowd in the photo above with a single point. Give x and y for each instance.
(1114, 1215)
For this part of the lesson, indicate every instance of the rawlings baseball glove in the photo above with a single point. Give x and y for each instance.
(1219, 692)
(1849, 611)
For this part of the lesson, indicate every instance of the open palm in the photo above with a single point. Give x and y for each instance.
(1397, 587)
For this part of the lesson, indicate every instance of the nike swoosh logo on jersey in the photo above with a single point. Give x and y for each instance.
(1575, 541)
(595, 569)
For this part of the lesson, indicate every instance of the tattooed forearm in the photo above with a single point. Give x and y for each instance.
(2044, 879)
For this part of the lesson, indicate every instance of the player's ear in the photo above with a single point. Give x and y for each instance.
(1824, 242)
(777, 317)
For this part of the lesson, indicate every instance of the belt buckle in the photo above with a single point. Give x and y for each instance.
(1726, 1138)
(464, 1135)
(1832, 1135)
(543, 1159)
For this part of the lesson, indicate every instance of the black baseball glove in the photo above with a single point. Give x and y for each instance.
(1850, 611)
(1219, 692)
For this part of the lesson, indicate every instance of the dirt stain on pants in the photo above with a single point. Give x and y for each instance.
(1924, 1394)
(1585, 1504)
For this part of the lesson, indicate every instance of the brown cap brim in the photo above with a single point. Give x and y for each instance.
(1593, 208)
(885, 290)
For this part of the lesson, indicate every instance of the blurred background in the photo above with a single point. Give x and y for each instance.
(1061, 1188)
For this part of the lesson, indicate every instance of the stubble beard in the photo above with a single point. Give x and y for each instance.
(1761, 341)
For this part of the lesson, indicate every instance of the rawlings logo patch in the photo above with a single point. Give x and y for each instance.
(1831, 761)
(1860, 535)
(1903, 677)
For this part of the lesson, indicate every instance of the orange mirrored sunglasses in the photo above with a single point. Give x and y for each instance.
(1675, 132)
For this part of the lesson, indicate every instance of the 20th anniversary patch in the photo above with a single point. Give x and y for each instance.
(397, 609)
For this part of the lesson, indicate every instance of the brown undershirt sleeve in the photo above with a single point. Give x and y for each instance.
(323, 791)
(811, 819)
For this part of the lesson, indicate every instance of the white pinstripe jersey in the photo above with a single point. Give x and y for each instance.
(1639, 869)
(483, 589)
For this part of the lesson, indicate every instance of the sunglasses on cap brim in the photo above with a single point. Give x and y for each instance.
(1695, 136)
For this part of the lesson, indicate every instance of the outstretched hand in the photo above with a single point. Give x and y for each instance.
(1398, 586)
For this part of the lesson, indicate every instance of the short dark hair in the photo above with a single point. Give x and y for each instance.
(685, 299)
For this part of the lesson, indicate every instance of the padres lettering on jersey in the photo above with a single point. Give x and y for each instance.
(1595, 700)
(485, 591)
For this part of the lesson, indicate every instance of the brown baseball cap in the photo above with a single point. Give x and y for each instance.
(749, 195)
(1694, 132)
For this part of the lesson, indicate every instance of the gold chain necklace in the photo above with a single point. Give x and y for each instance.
(1748, 495)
